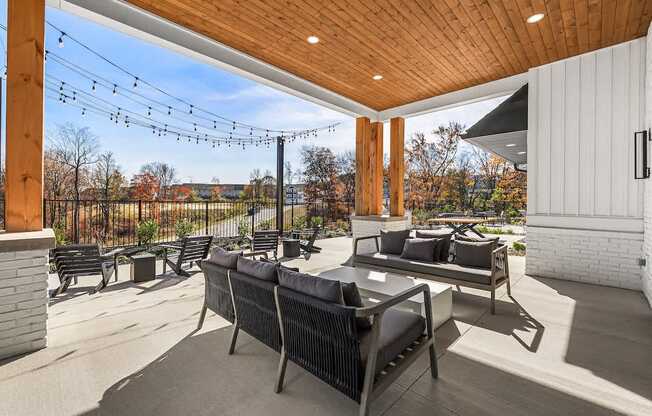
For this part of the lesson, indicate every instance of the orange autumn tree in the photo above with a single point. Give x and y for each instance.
(145, 187)
(428, 161)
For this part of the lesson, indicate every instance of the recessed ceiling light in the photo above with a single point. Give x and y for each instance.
(313, 39)
(510, 145)
(522, 153)
(377, 77)
(535, 18)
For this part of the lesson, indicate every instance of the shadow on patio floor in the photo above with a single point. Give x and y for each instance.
(197, 377)
(610, 334)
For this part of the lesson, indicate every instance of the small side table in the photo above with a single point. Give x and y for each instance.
(291, 247)
(143, 267)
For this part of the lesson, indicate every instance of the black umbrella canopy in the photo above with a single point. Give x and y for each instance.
(504, 130)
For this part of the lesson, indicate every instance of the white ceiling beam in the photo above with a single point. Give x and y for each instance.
(492, 89)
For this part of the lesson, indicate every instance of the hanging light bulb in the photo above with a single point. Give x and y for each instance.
(190, 108)
(115, 89)
(194, 126)
(169, 111)
(61, 39)
(214, 124)
(61, 86)
(74, 96)
(234, 125)
(93, 87)
(135, 82)
(149, 111)
(45, 57)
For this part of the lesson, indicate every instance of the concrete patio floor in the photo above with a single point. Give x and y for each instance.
(564, 349)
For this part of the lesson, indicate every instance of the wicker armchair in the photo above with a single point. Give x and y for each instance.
(217, 293)
(324, 339)
(255, 310)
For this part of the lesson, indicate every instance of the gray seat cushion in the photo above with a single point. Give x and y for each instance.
(398, 330)
(448, 270)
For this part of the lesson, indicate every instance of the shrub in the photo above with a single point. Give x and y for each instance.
(316, 221)
(59, 234)
(183, 228)
(147, 231)
(265, 225)
(300, 222)
(243, 228)
(518, 246)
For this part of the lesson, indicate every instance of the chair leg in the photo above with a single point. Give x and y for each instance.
(234, 338)
(509, 287)
(282, 365)
(165, 260)
(202, 315)
(493, 301)
(76, 281)
(434, 371)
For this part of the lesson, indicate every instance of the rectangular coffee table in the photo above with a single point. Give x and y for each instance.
(377, 286)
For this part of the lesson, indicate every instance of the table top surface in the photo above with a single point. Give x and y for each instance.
(385, 283)
(460, 220)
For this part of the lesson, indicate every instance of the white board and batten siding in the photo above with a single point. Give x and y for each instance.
(583, 113)
(585, 209)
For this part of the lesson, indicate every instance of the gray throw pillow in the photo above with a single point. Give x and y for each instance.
(352, 298)
(474, 254)
(258, 269)
(422, 249)
(478, 239)
(318, 287)
(444, 248)
(228, 259)
(392, 242)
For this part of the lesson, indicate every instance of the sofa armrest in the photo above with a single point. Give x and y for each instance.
(499, 265)
(355, 242)
(395, 300)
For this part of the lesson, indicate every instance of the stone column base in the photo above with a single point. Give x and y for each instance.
(362, 226)
(24, 291)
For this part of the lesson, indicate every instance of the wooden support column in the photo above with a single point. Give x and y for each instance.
(376, 169)
(24, 157)
(396, 166)
(362, 165)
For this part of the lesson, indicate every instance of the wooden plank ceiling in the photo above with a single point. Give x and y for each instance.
(421, 48)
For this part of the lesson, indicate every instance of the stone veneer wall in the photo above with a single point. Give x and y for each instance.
(23, 301)
(600, 257)
(647, 211)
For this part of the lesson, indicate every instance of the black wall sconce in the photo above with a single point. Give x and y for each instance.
(641, 167)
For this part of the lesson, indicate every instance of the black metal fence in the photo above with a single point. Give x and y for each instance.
(115, 223)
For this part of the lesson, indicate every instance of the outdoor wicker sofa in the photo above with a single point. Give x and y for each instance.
(360, 359)
(489, 278)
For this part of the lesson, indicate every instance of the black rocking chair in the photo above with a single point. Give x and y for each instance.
(188, 250)
(81, 260)
(263, 242)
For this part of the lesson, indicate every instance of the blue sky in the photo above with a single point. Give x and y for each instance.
(219, 91)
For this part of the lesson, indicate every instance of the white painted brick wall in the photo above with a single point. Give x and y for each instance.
(23, 301)
(647, 203)
(599, 257)
(366, 226)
